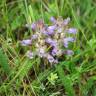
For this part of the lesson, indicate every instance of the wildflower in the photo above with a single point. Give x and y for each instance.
(41, 52)
(30, 54)
(35, 36)
(66, 21)
(50, 58)
(56, 61)
(54, 37)
(59, 30)
(50, 30)
(67, 40)
(53, 43)
(72, 30)
(69, 52)
(32, 26)
(52, 19)
(54, 51)
(26, 42)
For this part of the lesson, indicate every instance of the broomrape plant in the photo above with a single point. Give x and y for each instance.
(50, 42)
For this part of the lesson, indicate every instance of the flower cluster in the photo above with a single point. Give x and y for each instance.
(50, 42)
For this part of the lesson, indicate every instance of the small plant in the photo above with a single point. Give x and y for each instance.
(52, 78)
(50, 42)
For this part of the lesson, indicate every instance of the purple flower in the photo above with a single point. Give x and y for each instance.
(56, 61)
(35, 36)
(50, 58)
(52, 19)
(26, 42)
(45, 33)
(48, 33)
(66, 21)
(53, 36)
(50, 30)
(48, 40)
(70, 39)
(30, 54)
(54, 51)
(51, 42)
(60, 30)
(41, 52)
(32, 26)
(72, 30)
(69, 52)
(67, 40)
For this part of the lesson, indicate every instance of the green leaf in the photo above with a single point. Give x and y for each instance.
(4, 62)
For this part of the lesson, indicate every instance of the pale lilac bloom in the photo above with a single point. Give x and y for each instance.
(56, 61)
(26, 42)
(48, 40)
(51, 29)
(50, 58)
(69, 52)
(35, 36)
(41, 52)
(72, 30)
(45, 32)
(52, 19)
(66, 21)
(30, 54)
(32, 26)
(54, 51)
(48, 33)
(60, 30)
(67, 40)
(51, 42)
(65, 44)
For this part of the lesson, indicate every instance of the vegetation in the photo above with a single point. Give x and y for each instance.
(73, 75)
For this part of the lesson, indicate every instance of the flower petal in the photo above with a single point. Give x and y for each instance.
(26, 42)
(72, 30)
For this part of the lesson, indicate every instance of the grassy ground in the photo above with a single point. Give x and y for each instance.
(19, 76)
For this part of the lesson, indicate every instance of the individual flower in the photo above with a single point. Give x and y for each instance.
(32, 26)
(66, 21)
(54, 51)
(52, 19)
(41, 52)
(72, 30)
(50, 30)
(50, 58)
(59, 30)
(53, 43)
(35, 36)
(26, 42)
(67, 40)
(69, 52)
(30, 54)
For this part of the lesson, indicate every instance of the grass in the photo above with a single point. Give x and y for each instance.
(20, 76)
